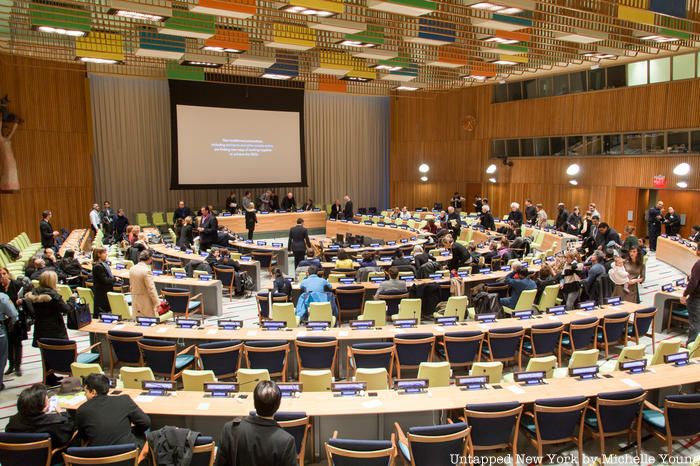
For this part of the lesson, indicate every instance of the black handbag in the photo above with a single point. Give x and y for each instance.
(79, 314)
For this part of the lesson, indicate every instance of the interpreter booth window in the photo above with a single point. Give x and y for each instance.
(684, 66)
(513, 148)
(678, 142)
(594, 145)
(575, 145)
(596, 79)
(660, 70)
(637, 73)
(654, 143)
(515, 91)
(612, 144)
(633, 144)
(561, 84)
(558, 146)
(545, 86)
(530, 89)
(577, 82)
(527, 147)
(617, 77)
(500, 93)
(499, 148)
(695, 141)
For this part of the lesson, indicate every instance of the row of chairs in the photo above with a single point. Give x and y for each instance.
(158, 219)
(26, 248)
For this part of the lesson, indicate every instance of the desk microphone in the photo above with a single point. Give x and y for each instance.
(248, 382)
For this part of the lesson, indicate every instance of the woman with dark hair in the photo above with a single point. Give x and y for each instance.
(634, 264)
(16, 333)
(103, 281)
(336, 209)
(47, 307)
(344, 260)
(231, 203)
(280, 284)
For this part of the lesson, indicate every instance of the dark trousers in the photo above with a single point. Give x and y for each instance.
(3, 354)
(14, 350)
(298, 257)
(693, 307)
(654, 232)
(250, 232)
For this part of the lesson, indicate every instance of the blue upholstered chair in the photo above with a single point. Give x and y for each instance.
(163, 359)
(346, 452)
(544, 340)
(268, 354)
(392, 300)
(298, 425)
(124, 349)
(350, 300)
(57, 355)
(462, 349)
(612, 330)
(616, 413)
(203, 451)
(679, 419)
(413, 349)
(505, 345)
(580, 335)
(227, 276)
(494, 425)
(371, 356)
(115, 455)
(27, 449)
(433, 445)
(181, 301)
(643, 325)
(316, 352)
(555, 421)
(221, 357)
(263, 300)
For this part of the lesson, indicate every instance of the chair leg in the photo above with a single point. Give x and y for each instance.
(602, 450)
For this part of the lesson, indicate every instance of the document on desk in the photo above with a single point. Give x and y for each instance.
(252, 333)
(372, 404)
(203, 406)
(343, 333)
(515, 389)
(212, 331)
(631, 383)
(162, 330)
(144, 399)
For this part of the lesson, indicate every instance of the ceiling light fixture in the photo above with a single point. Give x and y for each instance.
(275, 76)
(357, 79)
(573, 169)
(61, 31)
(504, 62)
(424, 179)
(424, 168)
(99, 61)
(139, 11)
(308, 11)
(356, 43)
(221, 49)
(492, 180)
(573, 182)
(491, 169)
(500, 40)
(682, 184)
(496, 8)
(681, 169)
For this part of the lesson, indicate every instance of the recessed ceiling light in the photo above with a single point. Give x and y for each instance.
(275, 76)
(99, 61)
(307, 11)
(221, 49)
(60, 31)
(573, 169)
(500, 40)
(504, 62)
(660, 39)
(682, 184)
(492, 180)
(573, 182)
(475, 77)
(491, 169)
(424, 168)
(424, 179)
(406, 88)
(681, 169)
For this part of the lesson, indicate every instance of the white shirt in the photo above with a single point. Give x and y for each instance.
(95, 219)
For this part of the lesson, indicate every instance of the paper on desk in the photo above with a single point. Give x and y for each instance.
(631, 383)
(301, 334)
(483, 326)
(515, 389)
(252, 333)
(553, 318)
(343, 333)
(372, 404)
(212, 331)
(71, 400)
(144, 399)
(203, 406)
(581, 313)
(118, 327)
(162, 330)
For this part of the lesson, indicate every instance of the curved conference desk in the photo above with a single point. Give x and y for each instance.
(676, 253)
(274, 222)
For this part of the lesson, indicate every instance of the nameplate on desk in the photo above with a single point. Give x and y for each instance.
(537, 261)
(356, 222)
(587, 305)
(368, 222)
(393, 226)
(120, 266)
(584, 373)
(374, 245)
(560, 234)
(361, 324)
(408, 278)
(248, 241)
(463, 274)
(300, 210)
(381, 224)
(348, 388)
(404, 240)
(187, 323)
(332, 219)
(613, 301)
(315, 210)
(264, 212)
(110, 318)
(411, 385)
(273, 324)
(413, 238)
(205, 277)
(556, 310)
(391, 243)
(246, 258)
(334, 247)
(667, 287)
(681, 282)
(355, 246)
(529, 377)
(435, 276)
(226, 214)
(472, 382)
(486, 318)
(157, 388)
(180, 275)
(203, 254)
(334, 259)
(446, 321)
(346, 281)
(277, 245)
(445, 253)
(157, 273)
(405, 323)
(550, 259)
(523, 315)
(505, 268)
(261, 243)
(318, 325)
(290, 389)
(230, 324)
(678, 359)
(220, 389)
(377, 279)
(636, 366)
(485, 271)
(146, 321)
(189, 251)
(664, 235)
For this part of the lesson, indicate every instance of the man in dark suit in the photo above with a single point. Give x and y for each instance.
(298, 241)
(654, 220)
(348, 213)
(258, 440)
(109, 420)
(530, 212)
(460, 255)
(48, 234)
(562, 217)
(208, 229)
(182, 211)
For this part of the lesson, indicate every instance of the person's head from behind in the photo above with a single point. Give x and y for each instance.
(267, 398)
(38, 263)
(598, 257)
(398, 254)
(367, 256)
(188, 221)
(95, 385)
(68, 254)
(450, 210)
(629, 230)
(33, 400)
(300, 221)
(545, 272)
(278, 273)
(312, 270)
(393, 272)
(418, 249)
(46, 215)
(485, 208)
(146, 256)
(343, 255)
(48, 279)
(310, 253)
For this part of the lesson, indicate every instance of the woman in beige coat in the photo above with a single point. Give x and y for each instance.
(144, 296)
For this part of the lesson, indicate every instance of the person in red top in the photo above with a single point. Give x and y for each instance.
(691, 299)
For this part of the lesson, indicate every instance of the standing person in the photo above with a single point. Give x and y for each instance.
(630, 240)
(120, 224)
(107, 219)
(247, 199)
(457, 201)
(182, 211)
(47, 307)
(289, 203)
(541, 216)
(186, 238)
(655, 218)
(348, 211)
(208, 229)
(672, 222)
(454, 221)
(18, 332)
(103, 280)
(274, 201)
(530, 212)
(478, 204)
(515, 215)
(251, 218)
(308, 205)
(634, 264)
(570, 282)
(573, 223)
(48, 234)
(562, 217)
(144, 296)
(459, 253)
(486, 219)
(336, 209)
(231, 203)
(691, 299)
(257, 440)
(266, 201)
(298, 241)
(8, 314)
(95, 219)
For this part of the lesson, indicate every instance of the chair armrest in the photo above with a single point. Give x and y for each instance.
(400, 434)
(90, 348)
(529, 414)
(186, 350)
(197, 296)
(652, 406)
(335, 434)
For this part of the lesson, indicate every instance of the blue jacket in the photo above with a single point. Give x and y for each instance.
(7, 311)
(314, 283)
(517, 286)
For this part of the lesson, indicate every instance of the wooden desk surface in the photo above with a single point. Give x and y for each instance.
(163, 279)
(274, 221)
(344, 333)
(75, 240)
(386, 233)
(676, 254)
(389, 401)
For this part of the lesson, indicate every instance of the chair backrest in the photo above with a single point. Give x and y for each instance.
(346, 452)
(118, 304)
(285, 312)
(526, 300)
(177, 298)
(263, 300)
(297, 424)
(682, 413)
(492, 370)
(549, 297)
(664, 348)
(643, 321)
(619, 411)
(265, 258)
(414, 348)
(82, 370)
(559, 418)
(194, 380)
(373, 355)
(350, 298)
(494, 425)
(376, 378)
(86, 295)
(505, 342)
(267, 354)
(125, 346)
(221, 357)
(376, 311)
(431, 445)
(159, 355)
(546, 337)
(630, 353)
(64, 291)
(224, 274)
(203, 451)
(582, 332)
(316, 380)
(57, 355)
(694, 348)
(547, 364)
(584, 358)
(316, 352)
(463, 348)
(409, 309)
(116, 455)
(392, 301)
(321, 312)
(437, 373)
(248, 378)
(132, 377)
(30, 449)
(456, 306)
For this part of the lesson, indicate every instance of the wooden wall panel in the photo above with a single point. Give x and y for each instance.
(428, 129)
(52, 146)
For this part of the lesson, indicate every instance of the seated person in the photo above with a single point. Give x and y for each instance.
(519, 281)
(314, 289)
(313, 283)
(280, 284)
(393, 285)
(258, 440)
(503, 248)
(695, 233)
(310, 260)
(474, 255)
(405, 214)
(421, 257)
(399, 259)
(109, 420)
(491, 253)
(368, 259)
(69, 265)
(49, 257)
(458, 251)
(344, 260)
(431, 226)
(34, 416)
